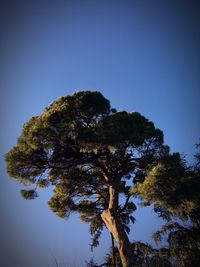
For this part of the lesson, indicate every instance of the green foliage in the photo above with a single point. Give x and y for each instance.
(76, 132)
(130, 127)
(147, 256)
(182, 232)
(166, 184)
(81, 146)
(96, 228)
(183, 242)
(29, 194)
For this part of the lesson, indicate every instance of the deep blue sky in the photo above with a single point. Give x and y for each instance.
(142, 55)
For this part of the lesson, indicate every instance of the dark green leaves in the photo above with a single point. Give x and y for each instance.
(29, 194)
(129, 129)
(25, 165)
(61, 205)
(81, 146)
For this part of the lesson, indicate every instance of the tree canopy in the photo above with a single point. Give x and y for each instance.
(175, 194)
(97, 158)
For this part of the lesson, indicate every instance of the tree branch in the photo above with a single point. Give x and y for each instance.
(126, 203)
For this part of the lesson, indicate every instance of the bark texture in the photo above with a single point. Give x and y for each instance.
(114, 225)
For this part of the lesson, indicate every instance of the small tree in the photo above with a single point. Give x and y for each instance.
(175, 193)
(91, 154)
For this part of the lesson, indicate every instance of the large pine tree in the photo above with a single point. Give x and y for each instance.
(92, 155)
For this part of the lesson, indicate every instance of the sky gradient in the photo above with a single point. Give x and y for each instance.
(142, 55)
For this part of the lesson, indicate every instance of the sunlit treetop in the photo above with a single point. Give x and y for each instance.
(172, 187)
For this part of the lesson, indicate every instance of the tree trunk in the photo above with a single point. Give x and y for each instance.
(114, 225)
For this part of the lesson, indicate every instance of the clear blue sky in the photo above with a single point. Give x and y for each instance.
(142, 55)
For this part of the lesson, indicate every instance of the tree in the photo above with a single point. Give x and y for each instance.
(91, 154)
(175, 194)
